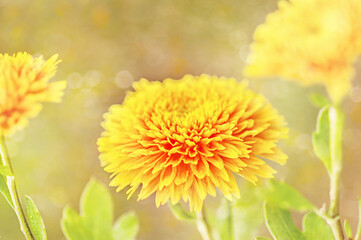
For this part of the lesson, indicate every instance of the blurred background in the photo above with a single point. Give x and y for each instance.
(105, 46)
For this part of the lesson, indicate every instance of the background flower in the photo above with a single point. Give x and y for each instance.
(311, 42)
(181, 138)
(24, 85)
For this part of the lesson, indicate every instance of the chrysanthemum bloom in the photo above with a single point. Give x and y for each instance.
(311, 42)
(181, 138)
(24, 85)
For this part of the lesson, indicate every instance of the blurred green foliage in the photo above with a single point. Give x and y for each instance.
(95, 221)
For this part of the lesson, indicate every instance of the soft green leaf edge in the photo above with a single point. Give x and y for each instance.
(78, 226)
(72, 225)
(5, 191)
(285, 196)
(36, 222)
(126, 227)
(321, 138)
(347, 228)
(280, 223)
(180, 213)
(358, 230)
(315, 227)
(319, 100)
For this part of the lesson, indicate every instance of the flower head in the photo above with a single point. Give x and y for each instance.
(24, 85)
(311, 42)
(182, 138)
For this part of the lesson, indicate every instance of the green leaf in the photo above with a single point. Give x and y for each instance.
(5, 191)
(315, 228)
(96, 207)
(73, 226)
(126, 227)
(262, 238)
(319, 100)
(225, 221)
(5, 171)
(358, 231)
(285, 196)
(35, 220)
(321, 138)
(348, 229)
(95, 221)
(182, 214)
(280, 223)
(96, 218)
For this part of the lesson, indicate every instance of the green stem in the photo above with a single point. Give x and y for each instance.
(203, 226)
(336, 128)
(333, 222)
(230, 219)
(15, 198)
(334, 195)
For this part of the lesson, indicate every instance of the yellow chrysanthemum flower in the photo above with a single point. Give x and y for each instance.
(310, 41)
(181, 138)
(24, 85)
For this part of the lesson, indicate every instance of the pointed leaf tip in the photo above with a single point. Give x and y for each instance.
(35, 220)
(319, 100)
(126, 227)
(348, 229)
(96, 208)
(95, 221)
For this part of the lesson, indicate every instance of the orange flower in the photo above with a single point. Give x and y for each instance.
(181, 138)
(24, 85)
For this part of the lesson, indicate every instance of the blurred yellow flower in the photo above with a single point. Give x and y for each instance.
(181, 138)
(311, 42)
(24, 85)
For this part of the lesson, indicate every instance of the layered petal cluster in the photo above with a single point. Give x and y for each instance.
(311, 42)
(24, 86)
(182, 138)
